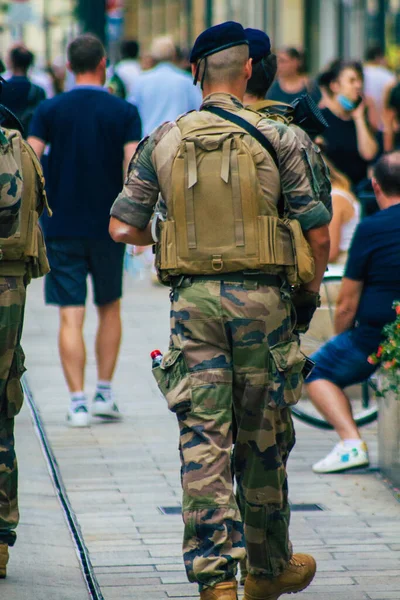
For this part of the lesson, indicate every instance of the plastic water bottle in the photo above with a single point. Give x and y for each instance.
(156, 357)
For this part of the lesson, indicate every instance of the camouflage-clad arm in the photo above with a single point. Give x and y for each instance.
(135, 204)
(298, 187)
(319, 169)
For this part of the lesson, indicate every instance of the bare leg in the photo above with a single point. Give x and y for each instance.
(108, 339)
(72, 346)
(334, 405)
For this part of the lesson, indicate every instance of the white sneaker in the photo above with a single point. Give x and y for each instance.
(343, 457)
(107, 409)
(78, 416)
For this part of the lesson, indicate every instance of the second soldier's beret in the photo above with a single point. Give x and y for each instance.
(259, 44)
(218, 38)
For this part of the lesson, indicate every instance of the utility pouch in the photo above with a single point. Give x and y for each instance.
(302, 251)
(173, 380)
(287, 366)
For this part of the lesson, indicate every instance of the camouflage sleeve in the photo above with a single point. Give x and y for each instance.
(318, 169)
(302, 200)
(135, 204)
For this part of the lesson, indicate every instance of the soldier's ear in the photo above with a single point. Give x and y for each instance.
(248, 68)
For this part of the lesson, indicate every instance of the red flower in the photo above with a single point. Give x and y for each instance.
(380, 350)
(389, 364)
(397, 309)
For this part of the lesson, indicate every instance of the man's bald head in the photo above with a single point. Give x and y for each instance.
(387, 174)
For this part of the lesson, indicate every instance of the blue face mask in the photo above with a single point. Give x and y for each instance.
(345, 103)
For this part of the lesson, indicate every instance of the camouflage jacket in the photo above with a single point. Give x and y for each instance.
(149, 175)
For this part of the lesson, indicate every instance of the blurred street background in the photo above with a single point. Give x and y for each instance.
(122, 478)
(325, 29)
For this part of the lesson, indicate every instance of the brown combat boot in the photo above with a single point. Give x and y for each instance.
(227, 590)
(3, 560)
(298, 575)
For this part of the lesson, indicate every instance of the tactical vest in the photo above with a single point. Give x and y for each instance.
(272, 109)
(218, 220)
(25, 250)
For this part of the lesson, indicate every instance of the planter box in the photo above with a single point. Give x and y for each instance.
(389, 437)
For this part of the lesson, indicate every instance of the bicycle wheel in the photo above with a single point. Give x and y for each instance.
(362, 396)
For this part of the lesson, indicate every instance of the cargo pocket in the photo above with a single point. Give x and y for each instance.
(14, 391)
(173, 380)
(286, 374)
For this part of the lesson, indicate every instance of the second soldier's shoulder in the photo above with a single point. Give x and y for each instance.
(282, 134)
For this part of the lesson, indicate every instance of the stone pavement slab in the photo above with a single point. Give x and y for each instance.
(43, 563)
(119, 474)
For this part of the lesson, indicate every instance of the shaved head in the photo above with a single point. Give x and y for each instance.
(225, 67)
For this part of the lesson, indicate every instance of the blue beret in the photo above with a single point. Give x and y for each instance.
(218, 38)
(259, 43)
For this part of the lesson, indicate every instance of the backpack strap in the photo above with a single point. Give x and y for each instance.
(253, 131)
(256, 134)
(39, 173)
(191, 182)
(16, 148)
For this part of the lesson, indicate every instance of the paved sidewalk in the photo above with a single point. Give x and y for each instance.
(43, 563)
(117, 475)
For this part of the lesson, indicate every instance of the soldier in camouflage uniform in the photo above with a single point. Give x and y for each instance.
(263, 75)
(22, 256)
(232, 345)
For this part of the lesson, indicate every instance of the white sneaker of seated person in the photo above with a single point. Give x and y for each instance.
(347, 454)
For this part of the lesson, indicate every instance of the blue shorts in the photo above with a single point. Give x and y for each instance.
(72, 260)
(341, 362)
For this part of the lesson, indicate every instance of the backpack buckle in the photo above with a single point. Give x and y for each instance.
(217, 263)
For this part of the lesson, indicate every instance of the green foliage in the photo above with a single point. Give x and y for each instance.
(388, 356)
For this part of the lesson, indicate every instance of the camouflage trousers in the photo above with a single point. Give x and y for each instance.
(232, 351)
(12, 303)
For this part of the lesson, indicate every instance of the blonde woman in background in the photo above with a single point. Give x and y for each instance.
(346, 215)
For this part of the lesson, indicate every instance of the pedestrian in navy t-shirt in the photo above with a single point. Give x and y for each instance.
(370, 286)
(91, 136)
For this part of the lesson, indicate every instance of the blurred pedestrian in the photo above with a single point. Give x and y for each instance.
(92, 135)
(391, 117)
(346, 213)
(128, 69)
(376, 78)
(20, 94)
(291, 81)
(221, 172)
(165, 91)
(370, 286)
(348, 141)
(23, 256)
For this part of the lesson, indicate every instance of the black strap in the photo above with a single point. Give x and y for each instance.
(253, 131)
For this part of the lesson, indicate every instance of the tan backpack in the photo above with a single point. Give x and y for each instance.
(25, 249)
(218, 220)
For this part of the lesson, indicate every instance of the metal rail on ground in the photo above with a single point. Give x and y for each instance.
(55, 473)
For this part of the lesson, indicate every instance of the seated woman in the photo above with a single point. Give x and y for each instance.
(346, 216)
